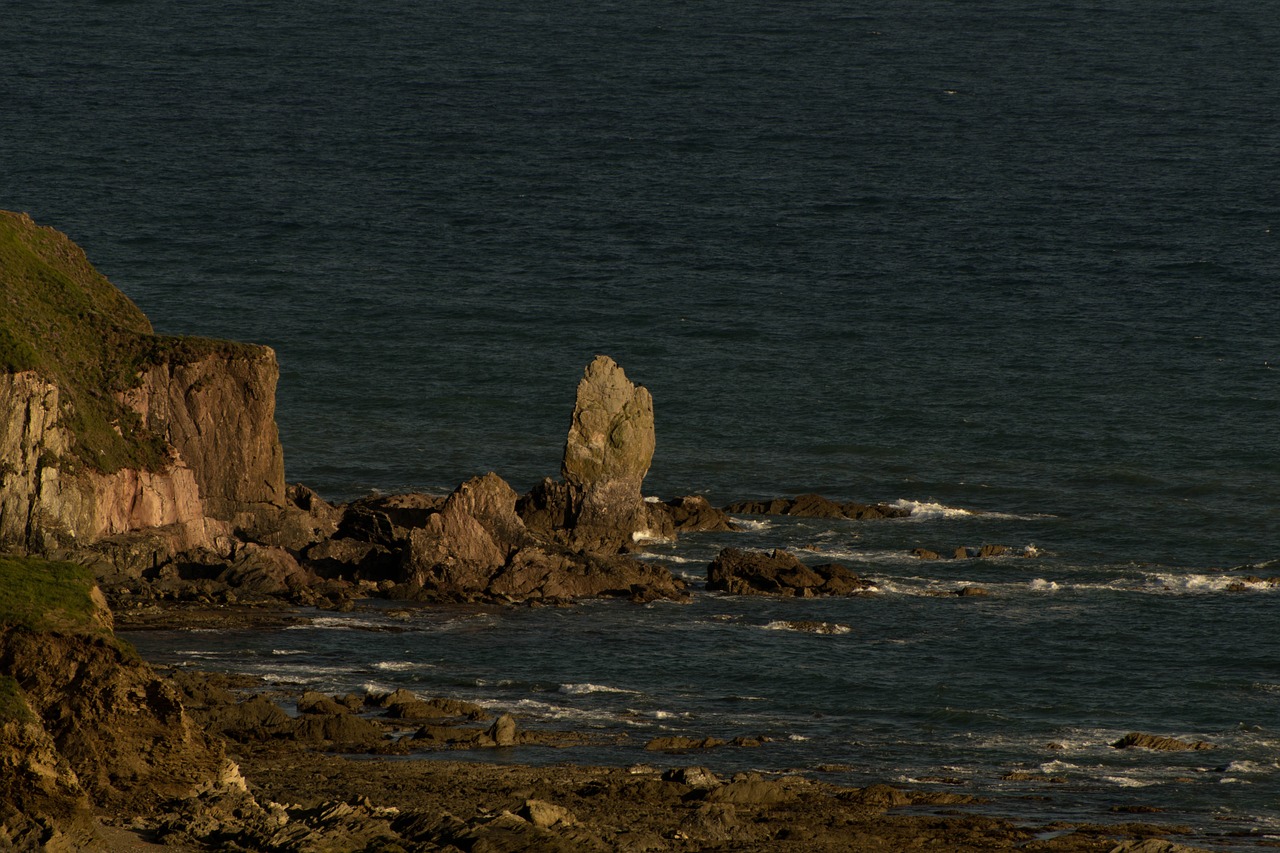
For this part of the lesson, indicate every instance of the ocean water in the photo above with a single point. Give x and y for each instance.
(1013, 263)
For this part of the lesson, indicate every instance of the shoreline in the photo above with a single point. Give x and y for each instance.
(664, 802)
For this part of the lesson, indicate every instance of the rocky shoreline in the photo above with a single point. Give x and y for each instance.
(148, 469)
(326, 777)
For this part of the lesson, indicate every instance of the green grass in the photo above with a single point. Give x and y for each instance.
(60, 317)
(45, 595)
(12, 704)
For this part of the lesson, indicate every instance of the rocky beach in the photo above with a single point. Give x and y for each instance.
(144, 492)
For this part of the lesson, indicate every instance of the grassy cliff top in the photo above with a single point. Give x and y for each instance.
(45, 595)
(61, 318)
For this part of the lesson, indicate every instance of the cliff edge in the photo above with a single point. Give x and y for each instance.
(109, 428)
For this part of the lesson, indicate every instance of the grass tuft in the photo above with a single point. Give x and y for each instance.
(46, 595)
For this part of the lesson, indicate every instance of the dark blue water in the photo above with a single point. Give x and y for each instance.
(1016, 257)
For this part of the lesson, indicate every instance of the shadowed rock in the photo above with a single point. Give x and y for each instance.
(743, 572)
(816, 506)
(694, 512)
(1138, 740)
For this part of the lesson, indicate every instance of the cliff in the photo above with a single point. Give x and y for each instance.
(109, 428)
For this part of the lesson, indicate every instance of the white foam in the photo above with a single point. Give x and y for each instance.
(669, 715)
(927, 510)
(649, 537)
(674, 559)
(1247, 767)
(1042, 585)
(586, 687)
(288, 652)
(1051, 767)
(1201, 583)
(1126, 782)
(807, 628)
(342, 623)
(751, 523)
(401, 665)
(549, 711)
(932, 511)
(797, 738)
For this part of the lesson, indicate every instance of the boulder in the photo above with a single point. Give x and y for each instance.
(756, 791)
(678, 743)
(548, 573)
(492, 503)
(503, 731)
(694, 512)
(1138, 740)
(343, 730)
(313, 702)
(266, 570)
(744, 572)
(546, 815)
(694, 777)
(353, 559)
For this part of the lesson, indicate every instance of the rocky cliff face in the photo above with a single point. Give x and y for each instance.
(84, 724)
(106, 428)
(218, 414)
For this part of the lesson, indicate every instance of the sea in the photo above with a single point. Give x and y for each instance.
(1012, 265)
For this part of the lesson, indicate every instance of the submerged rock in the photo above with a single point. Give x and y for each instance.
(694, 512)
(816, 506)
(1165, 744)
(744, 572)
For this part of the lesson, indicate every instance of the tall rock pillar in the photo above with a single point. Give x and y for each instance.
(606, 456)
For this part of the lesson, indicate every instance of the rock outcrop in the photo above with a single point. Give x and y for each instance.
(84, 724)
(693, 513)
(110, 429)
(473, 546)
(599, 506)
(816, 506)
(1139, 740)
(744, 572)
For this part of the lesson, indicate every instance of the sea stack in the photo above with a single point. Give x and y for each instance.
(606, 457)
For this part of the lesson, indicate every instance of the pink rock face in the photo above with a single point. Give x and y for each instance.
(227, 466)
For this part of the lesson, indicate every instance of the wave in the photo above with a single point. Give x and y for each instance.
(755, 524)
(548, 711)
(1201, 583)
(933, 511)
(807, 626)
(586, 687)
(401, 665)
(1128, 782)
(334, 623)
